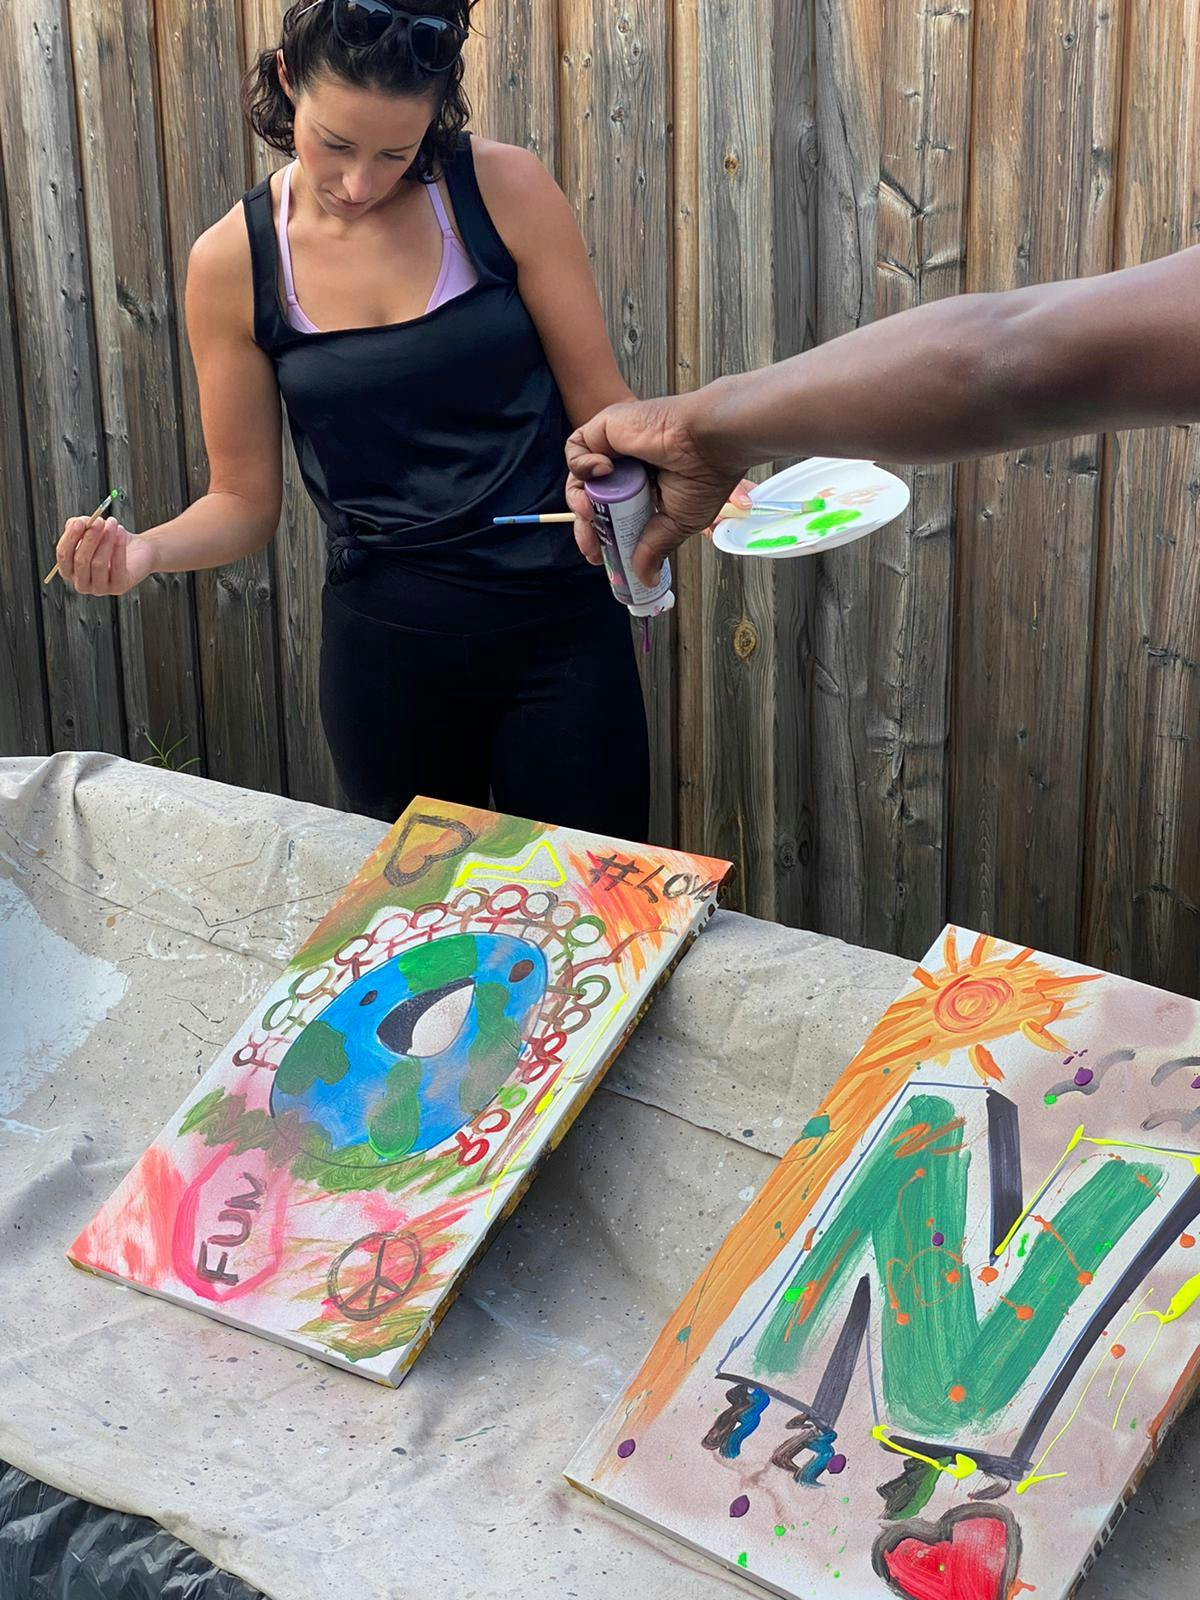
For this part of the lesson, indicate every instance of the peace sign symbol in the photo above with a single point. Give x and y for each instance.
(374, 1273)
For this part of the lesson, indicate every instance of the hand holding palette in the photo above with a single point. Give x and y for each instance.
(844, 500)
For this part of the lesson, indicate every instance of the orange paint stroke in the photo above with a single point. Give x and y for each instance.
(979, 949)
(1049, 1228)
(1013, 990)
(813, 1291)
(984, 1063)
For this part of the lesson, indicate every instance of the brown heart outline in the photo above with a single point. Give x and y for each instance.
(463, 834)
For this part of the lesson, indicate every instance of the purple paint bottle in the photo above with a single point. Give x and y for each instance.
(622, 507)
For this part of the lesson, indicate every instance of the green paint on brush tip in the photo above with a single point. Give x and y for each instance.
(831, 519)
(779, 542)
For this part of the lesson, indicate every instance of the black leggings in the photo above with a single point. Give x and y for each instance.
(541, 718)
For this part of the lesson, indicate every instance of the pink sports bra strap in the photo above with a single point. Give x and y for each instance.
(285, 249)
(439, 207)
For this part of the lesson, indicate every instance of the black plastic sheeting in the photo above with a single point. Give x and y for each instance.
(55, 1547)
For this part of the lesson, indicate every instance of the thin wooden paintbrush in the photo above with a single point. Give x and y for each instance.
(772, 508)
(113, 494)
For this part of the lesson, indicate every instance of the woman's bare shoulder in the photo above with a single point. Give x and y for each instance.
(219, 268)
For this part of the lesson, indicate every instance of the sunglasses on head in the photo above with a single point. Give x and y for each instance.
(436, 43)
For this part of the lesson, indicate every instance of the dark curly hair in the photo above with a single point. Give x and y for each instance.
(312, 49)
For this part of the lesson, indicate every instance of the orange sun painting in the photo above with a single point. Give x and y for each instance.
(998, 990)
(993, 992)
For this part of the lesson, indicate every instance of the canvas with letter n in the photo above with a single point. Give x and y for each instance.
(330, 1180)
(940, 1348)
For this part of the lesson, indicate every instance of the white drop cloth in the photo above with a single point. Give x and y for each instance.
(144, 911)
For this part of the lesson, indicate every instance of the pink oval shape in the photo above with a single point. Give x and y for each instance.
(228, 1235)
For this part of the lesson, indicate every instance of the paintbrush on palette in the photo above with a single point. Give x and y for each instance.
(771, 507)
(109, 498)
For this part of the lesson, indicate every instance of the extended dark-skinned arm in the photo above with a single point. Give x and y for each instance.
(962, 377)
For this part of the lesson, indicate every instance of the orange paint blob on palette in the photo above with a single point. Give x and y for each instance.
(841, 500)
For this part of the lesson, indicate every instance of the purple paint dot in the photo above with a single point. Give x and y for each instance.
(740, 1506)
(1196, 1083)
(1083, 1077)
(939, 1238)
(626, 1448)
(837, 1464)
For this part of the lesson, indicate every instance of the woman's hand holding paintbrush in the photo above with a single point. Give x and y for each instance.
(96, 555)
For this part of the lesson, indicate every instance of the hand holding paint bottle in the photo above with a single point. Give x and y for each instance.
(621, 507)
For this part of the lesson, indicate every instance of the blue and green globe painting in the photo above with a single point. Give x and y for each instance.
(417, 1047)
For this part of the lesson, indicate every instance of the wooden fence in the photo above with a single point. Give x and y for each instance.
(988, 714)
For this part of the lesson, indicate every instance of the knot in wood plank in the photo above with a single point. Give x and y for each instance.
(745, 640)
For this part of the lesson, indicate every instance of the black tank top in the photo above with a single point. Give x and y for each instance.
(413, 436)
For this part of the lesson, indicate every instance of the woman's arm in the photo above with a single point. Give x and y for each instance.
(240, 414)
(554, 275)
(963, 377)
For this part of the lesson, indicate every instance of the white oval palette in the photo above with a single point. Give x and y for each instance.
(845, 500)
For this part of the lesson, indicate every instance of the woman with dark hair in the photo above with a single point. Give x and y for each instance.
(422, 301)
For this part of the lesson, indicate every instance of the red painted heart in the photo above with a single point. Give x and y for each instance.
(972, 1553)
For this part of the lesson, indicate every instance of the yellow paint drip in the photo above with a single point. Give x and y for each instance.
(1181, 1301)
(1037, 1477)
(963, 1466)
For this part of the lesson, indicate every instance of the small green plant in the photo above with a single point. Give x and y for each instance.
(164, 753)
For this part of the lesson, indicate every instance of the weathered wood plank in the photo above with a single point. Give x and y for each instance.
(615, 172)
(24, 712)
(882, 840)
(299, 549)
(1142, 852)
(1041, 208)
(848, 72)
(794, 290)
(204, 149)
(686, 365)
(511, 63)
(54, 330)
(737, 331)
(116, 95)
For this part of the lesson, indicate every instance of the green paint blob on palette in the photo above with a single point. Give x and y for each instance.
(843, 500)
(813, 527)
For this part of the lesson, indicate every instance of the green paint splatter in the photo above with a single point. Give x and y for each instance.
(318, 1052)
(1051, 1099)
(793, 1292)
(994, 1351)
(1024, 1242)
(202, 1110)
(780, 1531)
(816, 1127)
(831, 519)
(684, 1334)
(393, 1125)
(743, 1560)
(779, 542)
